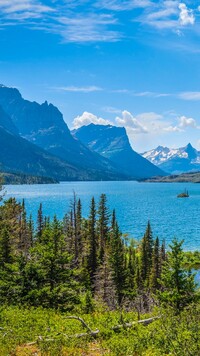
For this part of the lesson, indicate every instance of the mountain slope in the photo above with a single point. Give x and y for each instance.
(180, 160)
(20, 155)
(6, 122)
(44, 126)
(112, 142)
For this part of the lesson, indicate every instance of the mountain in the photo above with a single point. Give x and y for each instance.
(112, 142)
(17, 155)
(20, 156)
(43, 125)
(6, 122)
(175, 161)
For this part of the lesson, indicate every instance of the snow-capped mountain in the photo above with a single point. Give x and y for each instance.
(180, 160)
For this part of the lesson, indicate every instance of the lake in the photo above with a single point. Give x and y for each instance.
(135, 203)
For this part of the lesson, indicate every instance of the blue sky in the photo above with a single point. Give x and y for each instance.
(130, 63)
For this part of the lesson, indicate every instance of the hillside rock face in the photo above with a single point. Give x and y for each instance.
(112, 142)
(6, 122)
(175, 161)
(44, 126)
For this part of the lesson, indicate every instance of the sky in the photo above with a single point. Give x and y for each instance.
(131, 63)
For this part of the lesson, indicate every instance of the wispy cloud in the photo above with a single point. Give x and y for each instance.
(74, 89)
(169, 14)
(148, 94)
(190, 95)
(111, 110)
(24, 8)
(86, 21)
(121, 5)
(71, 24)
(87, 28)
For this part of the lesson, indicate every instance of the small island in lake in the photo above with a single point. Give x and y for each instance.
(185, 194)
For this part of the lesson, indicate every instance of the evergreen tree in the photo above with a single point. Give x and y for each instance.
(31, 230)
(24, 236)
(117, 258)
(5, 247)
(92, 241)
(40, 222)
(178, 286)
(105, 290)
(103, 228)
(131, 271)
(146, 255)
(156, 266)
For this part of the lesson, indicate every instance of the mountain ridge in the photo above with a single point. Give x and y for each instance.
(113, 143)
(175, 161)
(44, 126)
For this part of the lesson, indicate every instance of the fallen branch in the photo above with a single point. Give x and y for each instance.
(90, 331)
(94, 332)
(129, 325)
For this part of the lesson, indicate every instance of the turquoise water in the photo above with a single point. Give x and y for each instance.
(135, 204)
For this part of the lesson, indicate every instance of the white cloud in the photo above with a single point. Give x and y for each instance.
(121, 5)
(163, 15)
(88, 118)
(75, 89)
(30, 7)
(172, 129)
(151, 94)
(87, 28)
(186, 16)
(149, 116)
(169, 14)
(72, 25)
(190, 95)
(187, 122)
(183, 123)
(111, 110)
(130, 122)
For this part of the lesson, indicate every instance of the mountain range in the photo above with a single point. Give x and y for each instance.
(34, 139)
(112, 142)
(175, 161)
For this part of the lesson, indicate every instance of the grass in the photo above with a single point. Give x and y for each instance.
(29, 331)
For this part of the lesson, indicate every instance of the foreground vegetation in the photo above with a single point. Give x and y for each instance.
(84, 267)
(48, 332)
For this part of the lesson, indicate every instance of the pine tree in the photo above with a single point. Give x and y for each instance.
(117, 258)
(5, 247)
(92, 244)
(40, 222)
(146, 255)
(79, 230)
(178, 286)
(156, 267)
(105, 290)
(131, 270)
(24, 236)
(31, 230)
(103, 228)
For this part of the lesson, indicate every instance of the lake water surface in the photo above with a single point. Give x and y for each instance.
(135, 203)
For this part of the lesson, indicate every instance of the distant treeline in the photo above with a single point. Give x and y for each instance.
(56, 264)
(20, 178)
